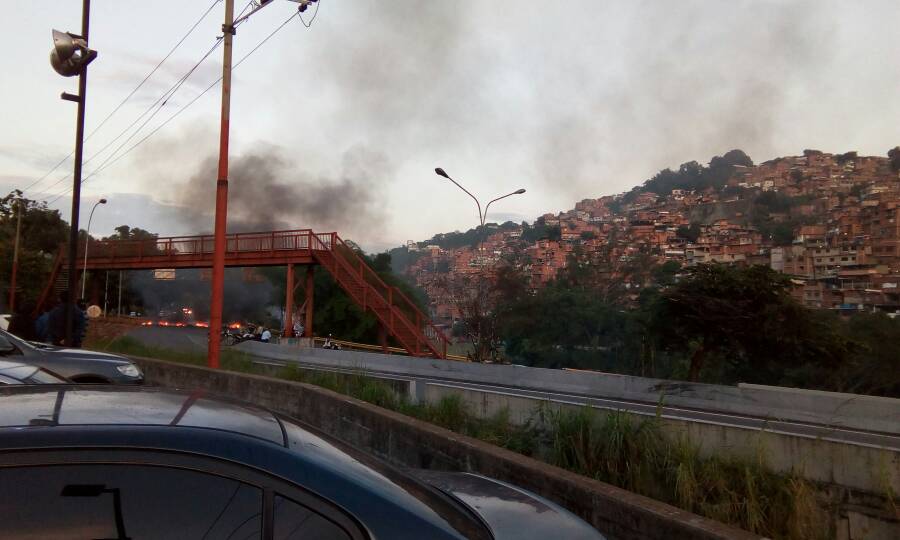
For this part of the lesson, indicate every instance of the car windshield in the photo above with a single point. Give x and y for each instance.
(19, 342)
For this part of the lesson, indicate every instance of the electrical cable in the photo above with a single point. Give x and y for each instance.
(163, 98)
(128, 97)
(315, 13)
(109, 162)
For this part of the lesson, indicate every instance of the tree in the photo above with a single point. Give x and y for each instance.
(894, 156)
(483, 300)
(43, 232)
(744, 320)
(664, 274)
(690, 233)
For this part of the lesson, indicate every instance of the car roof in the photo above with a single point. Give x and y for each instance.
(106, 405)
(139, 415)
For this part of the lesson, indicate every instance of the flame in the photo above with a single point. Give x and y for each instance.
(201, 324)
(235, 326)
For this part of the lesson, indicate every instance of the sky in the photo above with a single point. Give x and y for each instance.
(339, 126)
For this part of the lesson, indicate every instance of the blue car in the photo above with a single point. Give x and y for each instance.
(142, 463)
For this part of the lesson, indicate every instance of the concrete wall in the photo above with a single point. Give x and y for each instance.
(408, 442)
(840, 410)
(858, 467)
(852, 479)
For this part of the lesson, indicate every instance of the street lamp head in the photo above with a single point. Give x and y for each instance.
(519, 191)
(70, 54)
(103, 201)
(440, 172)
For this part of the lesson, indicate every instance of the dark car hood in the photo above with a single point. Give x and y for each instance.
(510, 512)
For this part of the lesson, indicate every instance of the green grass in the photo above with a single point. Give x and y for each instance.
(618, 448)
(633, 453)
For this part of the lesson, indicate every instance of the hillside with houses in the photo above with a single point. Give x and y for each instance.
(829, 221)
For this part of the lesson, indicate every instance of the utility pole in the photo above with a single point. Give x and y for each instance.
(70, 56)
(218, 273)
(15, 268)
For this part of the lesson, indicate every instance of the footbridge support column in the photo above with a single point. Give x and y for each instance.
(310, 292)
(288, 330)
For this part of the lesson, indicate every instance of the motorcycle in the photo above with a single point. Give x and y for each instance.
(233, 338)
(329, 344)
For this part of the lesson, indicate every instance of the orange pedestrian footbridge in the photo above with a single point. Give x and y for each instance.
(396, 313)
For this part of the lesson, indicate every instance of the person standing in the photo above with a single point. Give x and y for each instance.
(42, 327)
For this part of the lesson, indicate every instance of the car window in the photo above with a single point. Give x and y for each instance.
(293, 521)
(126, 501)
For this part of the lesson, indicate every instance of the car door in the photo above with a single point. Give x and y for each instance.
(125, 494)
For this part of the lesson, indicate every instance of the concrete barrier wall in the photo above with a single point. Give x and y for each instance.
(857, 467)
(839, 410)
(408, 442)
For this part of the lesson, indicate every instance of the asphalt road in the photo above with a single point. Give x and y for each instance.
(180, 339)
(195, 339)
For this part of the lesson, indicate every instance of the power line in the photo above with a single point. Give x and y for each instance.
(164, 98)
(161, 102)
(136, 88)
(128, 97)
(109, 162)
(169, 94)
(315, 14)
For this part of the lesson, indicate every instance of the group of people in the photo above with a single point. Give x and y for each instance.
(50, 326)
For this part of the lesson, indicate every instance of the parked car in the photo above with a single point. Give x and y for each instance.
(19, 373)
(133, 462)
(78, 365)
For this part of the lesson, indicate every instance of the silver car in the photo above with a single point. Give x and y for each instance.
(19, 373)
(78, 365)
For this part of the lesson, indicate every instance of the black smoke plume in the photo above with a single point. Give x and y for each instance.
(269, 191)
(244, 300)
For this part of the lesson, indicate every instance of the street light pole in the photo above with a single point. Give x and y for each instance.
(482, 217)
(87, 240)
(15, 267)
(218, 273)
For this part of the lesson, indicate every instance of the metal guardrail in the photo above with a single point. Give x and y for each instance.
(350, 345)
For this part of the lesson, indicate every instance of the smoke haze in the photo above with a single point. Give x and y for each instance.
(590, 97)
(271, 190)
(567, 99)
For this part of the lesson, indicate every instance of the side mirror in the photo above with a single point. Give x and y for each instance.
(5, 346)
